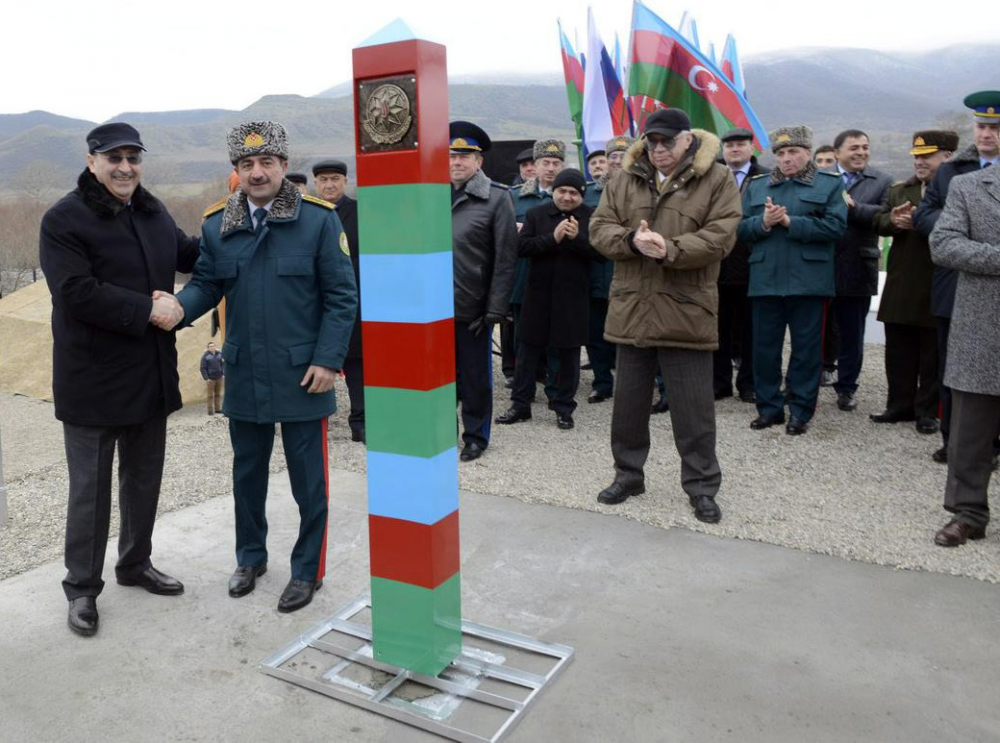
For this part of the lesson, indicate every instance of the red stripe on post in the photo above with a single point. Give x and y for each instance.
(409, 356)
(418, 554)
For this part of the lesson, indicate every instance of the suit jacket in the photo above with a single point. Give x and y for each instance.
(856, 262)
(735, 268)
(966, 239)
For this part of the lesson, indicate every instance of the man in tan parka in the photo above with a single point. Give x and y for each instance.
(667, 220)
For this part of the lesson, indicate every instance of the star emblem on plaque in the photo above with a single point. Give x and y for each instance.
(387, 119)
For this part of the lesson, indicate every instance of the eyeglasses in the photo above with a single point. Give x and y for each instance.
(666, 143)
(116, 159)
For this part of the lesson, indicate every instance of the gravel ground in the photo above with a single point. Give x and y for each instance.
(848, 488)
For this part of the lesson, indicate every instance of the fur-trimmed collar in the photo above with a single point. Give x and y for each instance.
(969, 155)
(237, 213)
(478, 186)
(807, 175)
(700, 158)
(105, 205)
(529, 188)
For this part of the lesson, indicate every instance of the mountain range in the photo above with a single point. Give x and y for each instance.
(889, 94)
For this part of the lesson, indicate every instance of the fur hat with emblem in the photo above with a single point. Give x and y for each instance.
(549, 148)
(619, 144)
(257, 138)
(791, 136)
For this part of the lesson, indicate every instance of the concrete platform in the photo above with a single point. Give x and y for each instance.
(679, 637)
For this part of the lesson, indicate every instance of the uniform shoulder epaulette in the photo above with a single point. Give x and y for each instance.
(759, 175)
(216, 207)
(897, 183)
(319, 202)
(494, 184)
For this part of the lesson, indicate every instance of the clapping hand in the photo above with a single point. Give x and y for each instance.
(902, 216)
(649, 243)
(568, 228)
(167, 311)
(775, 214)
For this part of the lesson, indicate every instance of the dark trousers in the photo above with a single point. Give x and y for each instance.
(851, 313)
(911, 369)
(975, 423)
(474, 382)
(735, 340)
(831, 336)
(944, 392)
(354, 374)
(566, 384)
(90, 452)
(306, 456)
(507, 352)
(688, 380)
(600, 352)
(803, 316)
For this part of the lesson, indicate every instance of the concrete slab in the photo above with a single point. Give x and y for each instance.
(679, 637)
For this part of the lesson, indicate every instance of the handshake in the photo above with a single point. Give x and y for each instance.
(167, 311)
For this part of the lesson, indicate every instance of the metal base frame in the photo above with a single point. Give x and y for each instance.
(469, 664)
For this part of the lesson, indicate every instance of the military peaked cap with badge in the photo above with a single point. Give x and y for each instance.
(257, 138)
(330, 166)
(108, 137)
(619, 144)
(930, 141)
(791, 136)
(464, 136)
(985, 106)
(549, 148)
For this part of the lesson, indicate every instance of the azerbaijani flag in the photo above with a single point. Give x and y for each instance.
(731, 66)
(573, 71)
(668, 72)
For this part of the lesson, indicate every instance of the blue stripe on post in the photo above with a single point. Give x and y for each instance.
(412, 488)
(407, 288)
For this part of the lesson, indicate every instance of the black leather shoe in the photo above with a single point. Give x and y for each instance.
(890, 416)
(927, 425)
(297, 593)
(564, 421)
(748, 396)
(660, 406)
(766, 421)
(83, 617)
(470, 452)
(596, 396)
(796, 426)
(616, 493)
(153, 581)
(513, 415)
(846, 401)
(244, 580)
(358, 434)
(941, 455)
(827, 378)
(706, 509)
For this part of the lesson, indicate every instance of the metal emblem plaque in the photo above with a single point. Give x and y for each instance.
(387, 118)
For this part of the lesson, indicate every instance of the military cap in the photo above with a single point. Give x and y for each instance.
(619, 144)
(570, 177)
(330, 166)
(525, 156)
(736, 134)
(296, 177)
(596, 153)
(930, 141)
(667, 122)
(464, 136)
(110, 136)
(985, 106)
(257, 138)
(791, 136)
(549, 148)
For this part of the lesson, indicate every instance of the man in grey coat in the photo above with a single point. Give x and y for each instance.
(967, 239)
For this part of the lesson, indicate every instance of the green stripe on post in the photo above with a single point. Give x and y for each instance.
(404, 220)
(413, 422)
(417, 628)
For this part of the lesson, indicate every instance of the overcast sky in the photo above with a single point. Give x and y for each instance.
(98, 58)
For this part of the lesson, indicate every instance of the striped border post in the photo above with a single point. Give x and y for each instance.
(408, 333)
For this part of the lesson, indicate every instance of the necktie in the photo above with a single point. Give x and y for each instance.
(987, 164)
(849, 179)
(259, 215)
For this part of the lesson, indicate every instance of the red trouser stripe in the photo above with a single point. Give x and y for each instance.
(326, 488)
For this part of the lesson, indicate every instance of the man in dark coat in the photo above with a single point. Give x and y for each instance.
(856, 263)
(484, 245)
(735, 319)
(555, 241)
(983, 152)
(282, 262)
(330, 179)
(105, 248)
(911, 357)
(213, 369)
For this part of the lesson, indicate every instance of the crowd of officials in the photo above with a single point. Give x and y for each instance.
(680, 266)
